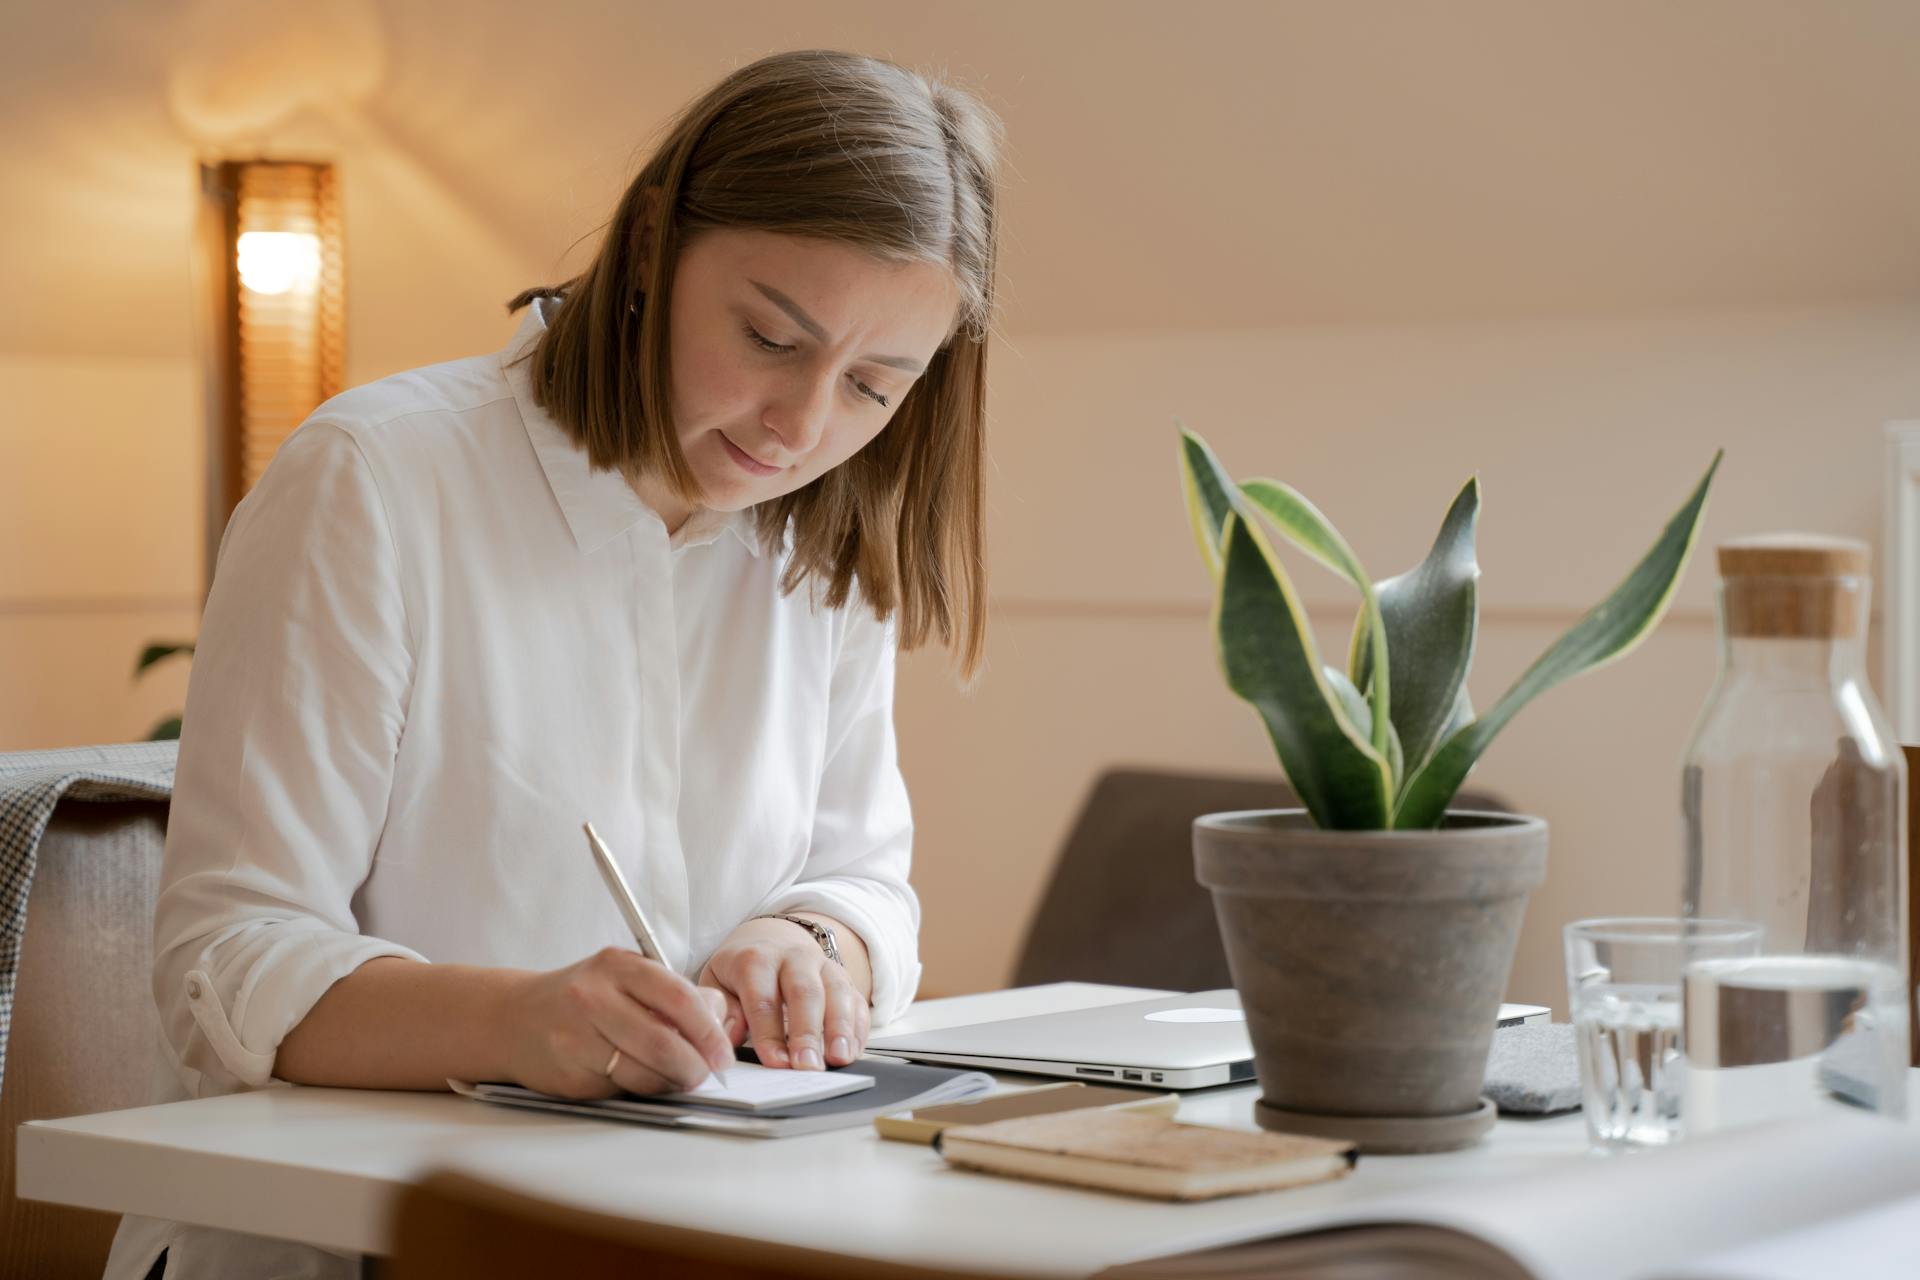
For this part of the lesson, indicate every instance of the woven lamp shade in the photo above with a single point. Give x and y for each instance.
(280, 310)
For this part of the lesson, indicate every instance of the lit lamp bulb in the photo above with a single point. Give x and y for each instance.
(276, 261)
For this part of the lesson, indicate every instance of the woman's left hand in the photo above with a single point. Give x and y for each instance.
(784, 997)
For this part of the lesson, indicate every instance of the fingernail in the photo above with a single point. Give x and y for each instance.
(842, 1049)
(810, 1059)
(772, 1054)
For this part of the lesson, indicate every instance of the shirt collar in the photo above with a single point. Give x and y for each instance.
(599, 505)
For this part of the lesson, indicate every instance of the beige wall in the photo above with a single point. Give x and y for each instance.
(103, 456)
(99, 511)
(1509, 161)
(1586, 434)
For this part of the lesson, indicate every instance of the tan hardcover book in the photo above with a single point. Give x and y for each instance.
(1144, 1155)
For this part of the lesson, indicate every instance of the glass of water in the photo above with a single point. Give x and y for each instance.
(1623, 992)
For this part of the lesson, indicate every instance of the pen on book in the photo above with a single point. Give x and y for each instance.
(623, 896)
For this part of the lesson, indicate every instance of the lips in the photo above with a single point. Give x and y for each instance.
(746, 460)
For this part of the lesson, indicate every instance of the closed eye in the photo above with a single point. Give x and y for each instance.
(753, 336)
(774, 348)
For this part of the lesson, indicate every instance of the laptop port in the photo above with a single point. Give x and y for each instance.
(1094, 1071)
(1157, 1077)
(1133, 1075)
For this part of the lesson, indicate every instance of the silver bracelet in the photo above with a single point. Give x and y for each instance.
(821, 934)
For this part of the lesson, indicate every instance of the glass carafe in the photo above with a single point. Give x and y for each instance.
(1793, 792)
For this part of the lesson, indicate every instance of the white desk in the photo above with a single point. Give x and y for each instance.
(326, 1166)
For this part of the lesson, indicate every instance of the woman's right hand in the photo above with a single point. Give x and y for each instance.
(564, 1026)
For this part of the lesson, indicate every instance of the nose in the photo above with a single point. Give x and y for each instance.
(798, 416)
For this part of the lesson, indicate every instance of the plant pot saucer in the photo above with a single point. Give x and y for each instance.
(1384, 1135)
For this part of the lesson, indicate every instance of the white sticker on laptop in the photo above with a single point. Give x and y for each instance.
(1200, 1014)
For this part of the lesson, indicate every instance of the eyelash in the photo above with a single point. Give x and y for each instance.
(774, 348)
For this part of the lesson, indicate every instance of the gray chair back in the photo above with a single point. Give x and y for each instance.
(1123, 906)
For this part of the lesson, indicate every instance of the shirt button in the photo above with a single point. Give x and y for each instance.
(193, 990)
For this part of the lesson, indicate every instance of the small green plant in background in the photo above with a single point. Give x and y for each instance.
(1386, 741)
(170, 727)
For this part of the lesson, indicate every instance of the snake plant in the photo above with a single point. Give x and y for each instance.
(1386, 740)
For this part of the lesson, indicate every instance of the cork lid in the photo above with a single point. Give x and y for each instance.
(1793, 585)
(1794, 555)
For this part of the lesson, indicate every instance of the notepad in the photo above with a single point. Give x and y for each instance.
(748, 1086)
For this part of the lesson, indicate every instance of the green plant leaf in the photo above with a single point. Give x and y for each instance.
(1462, 715)
(154, 652)
(1609, 631)
(1302, 524)
(1211, 495)
(1432, 614)
(1355, 704)
(1267, 652)
(166, 730)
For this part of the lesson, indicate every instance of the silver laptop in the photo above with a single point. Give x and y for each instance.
(1187, 1041)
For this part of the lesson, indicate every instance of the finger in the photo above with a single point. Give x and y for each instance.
(679, 1004)
(756, 985)
(842, 1024)
(581, 1080)
(734, 1023)
(650, 1043)
(726, 1012)
(634, 1077)
(804, 992)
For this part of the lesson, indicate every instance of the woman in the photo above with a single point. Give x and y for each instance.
(646, 567)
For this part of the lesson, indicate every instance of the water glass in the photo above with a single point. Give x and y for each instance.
(1623, 993)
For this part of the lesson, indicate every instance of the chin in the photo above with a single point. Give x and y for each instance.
(735, 496)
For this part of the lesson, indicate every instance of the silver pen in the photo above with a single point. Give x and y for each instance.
(623, 896)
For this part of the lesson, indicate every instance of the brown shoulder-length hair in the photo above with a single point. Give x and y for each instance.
(841, 147)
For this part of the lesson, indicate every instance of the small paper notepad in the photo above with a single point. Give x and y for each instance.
(751, 1087)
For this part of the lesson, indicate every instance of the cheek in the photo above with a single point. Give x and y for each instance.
(709, 386)
(846, 438)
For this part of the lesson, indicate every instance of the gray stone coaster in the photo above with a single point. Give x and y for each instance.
(1534, 1070)
(1383, 1135)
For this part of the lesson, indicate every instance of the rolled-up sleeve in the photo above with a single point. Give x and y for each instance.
(293, 718)
(862, 839)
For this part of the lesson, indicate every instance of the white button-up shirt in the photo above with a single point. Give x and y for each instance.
(436, 643)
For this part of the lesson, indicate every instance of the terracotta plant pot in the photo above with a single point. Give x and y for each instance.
(1371, 965)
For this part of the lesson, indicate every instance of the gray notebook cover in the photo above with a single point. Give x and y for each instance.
(897, 1086)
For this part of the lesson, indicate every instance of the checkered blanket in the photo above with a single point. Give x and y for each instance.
(31, 784)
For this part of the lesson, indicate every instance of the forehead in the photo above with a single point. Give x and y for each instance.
(846, 289)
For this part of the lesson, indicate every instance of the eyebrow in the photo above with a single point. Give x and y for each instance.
(820, 335)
